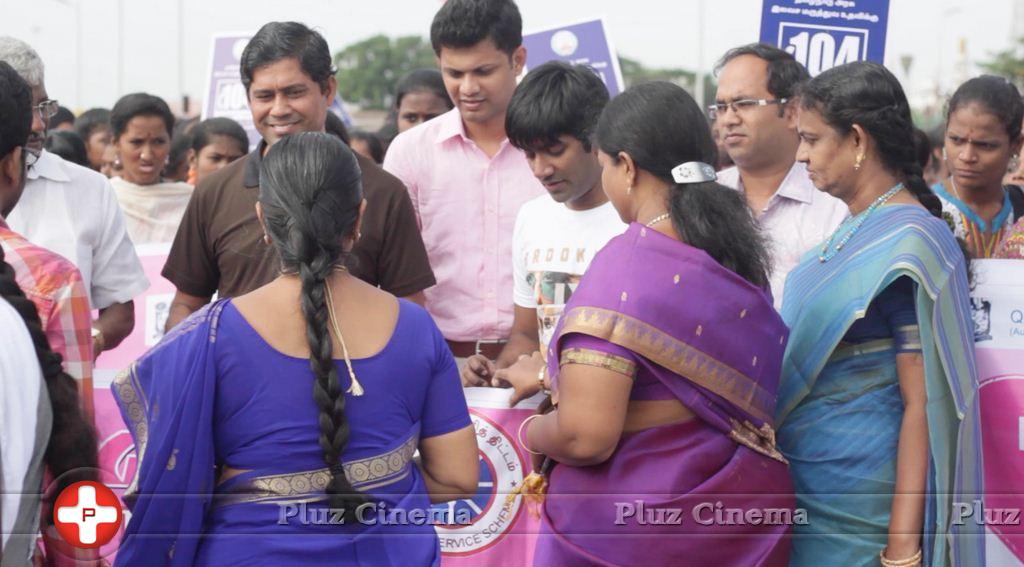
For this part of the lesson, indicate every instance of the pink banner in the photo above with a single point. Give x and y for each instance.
(998, 311)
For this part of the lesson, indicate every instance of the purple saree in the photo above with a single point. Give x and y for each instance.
(712, 490)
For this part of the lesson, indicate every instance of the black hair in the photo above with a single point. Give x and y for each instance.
(139, 104)
(553, 100)
(785, 73)
(283, 40)
(923, 147)
(203, 133)
(71, 454)
(15, 110)
(68, 145)
(997, 96)
(373, 142)
(659, 125)
(311, 191)
(465, 23)
(92, 120)
(335, 126)
(63, 116)
(869, 95)
(422, 81)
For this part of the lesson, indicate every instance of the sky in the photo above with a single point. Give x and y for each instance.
(97, 50)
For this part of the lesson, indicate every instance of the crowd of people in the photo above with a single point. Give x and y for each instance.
(761, 305)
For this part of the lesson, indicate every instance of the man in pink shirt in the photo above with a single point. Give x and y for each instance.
(465, 179)
(756, 119)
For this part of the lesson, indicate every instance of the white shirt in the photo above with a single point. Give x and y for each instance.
(552, 246)
(21, 383)
(72, 210)
(797, 218)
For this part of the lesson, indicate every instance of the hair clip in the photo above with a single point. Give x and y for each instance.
(693, 172)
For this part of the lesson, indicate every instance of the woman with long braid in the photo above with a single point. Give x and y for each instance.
(254, 435)
(879, 374)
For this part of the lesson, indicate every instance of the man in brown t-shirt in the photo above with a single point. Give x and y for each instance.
(219, 246)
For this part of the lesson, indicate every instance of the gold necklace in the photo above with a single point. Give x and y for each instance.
(656, 220)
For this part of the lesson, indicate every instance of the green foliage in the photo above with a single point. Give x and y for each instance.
(1008, 63)
(634, 73)
(369, 69)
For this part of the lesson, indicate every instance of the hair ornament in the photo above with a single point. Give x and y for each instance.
(693, 172)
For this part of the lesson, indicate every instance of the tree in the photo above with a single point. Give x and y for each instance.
(634, 73)
(1009, 63)
(369, 69)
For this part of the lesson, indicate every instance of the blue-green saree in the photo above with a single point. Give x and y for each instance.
(840, 409)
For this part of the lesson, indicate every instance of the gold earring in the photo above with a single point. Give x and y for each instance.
(629, 189)
(859, 160)
(266, 238)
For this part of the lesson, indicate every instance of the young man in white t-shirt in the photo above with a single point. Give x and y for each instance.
(551, 118)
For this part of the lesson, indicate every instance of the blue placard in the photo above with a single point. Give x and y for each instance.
(583, 43)
(822, 34)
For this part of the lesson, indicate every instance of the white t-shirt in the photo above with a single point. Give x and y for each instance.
(21, 383)
(552, 248)
(72, 210)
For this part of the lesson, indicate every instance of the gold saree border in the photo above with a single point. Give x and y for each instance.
(308, 486)
(591, 357)
(675, 355)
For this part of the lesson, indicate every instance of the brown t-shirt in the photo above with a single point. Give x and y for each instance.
(219, 246)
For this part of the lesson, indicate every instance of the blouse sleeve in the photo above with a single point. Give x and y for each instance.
(444, 408)
(898, 307)
(578, 348)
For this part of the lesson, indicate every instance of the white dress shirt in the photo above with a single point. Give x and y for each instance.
(797, 218)
(73, 211)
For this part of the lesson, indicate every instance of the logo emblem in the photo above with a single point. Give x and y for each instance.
(501, 470)
(87, 514)
(564, 43)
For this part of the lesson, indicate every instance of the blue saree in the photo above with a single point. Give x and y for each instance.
(230, 469)
(840, 409)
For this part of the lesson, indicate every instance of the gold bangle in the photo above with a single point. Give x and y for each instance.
(540, 379)
(519, 436)
(911, 561)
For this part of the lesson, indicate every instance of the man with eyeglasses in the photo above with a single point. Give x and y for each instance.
(756, 118)
(72, 210)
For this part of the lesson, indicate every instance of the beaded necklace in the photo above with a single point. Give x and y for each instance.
(827, 253)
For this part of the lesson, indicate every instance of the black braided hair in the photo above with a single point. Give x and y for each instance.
(660, 126)
(869, 95)
(310, 191)
(71, 454)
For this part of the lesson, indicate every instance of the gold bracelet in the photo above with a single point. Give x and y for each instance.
(519, 436)
(911, 561)
(540, 380)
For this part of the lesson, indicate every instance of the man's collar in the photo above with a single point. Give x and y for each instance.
(797, 185)
(252, 166)
(450, 126)
(49, 166)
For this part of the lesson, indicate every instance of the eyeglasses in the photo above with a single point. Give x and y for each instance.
(46, 109)
(738, 106)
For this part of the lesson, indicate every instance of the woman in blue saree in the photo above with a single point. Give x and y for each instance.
(879, 374)
(255, 445)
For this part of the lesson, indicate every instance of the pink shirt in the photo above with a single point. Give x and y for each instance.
(796, 219)
(466, 205)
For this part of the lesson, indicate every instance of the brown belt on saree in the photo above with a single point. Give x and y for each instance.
(365, 474)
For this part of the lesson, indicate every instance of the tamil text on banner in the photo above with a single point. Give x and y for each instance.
(500, 531)
(225, 94)
(822, 34)
(582, 43)
(997, 304)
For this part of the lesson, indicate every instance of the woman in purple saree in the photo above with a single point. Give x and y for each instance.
(255, 445)
(665, 365)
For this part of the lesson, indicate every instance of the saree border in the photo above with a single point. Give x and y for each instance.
(591, 357)
(675, 355)
(365, 474)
